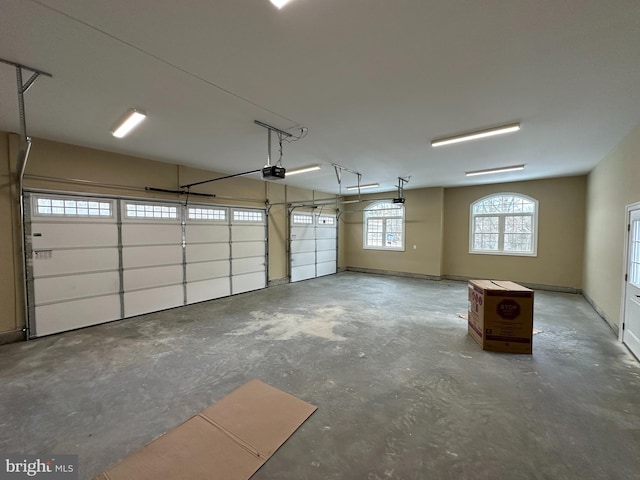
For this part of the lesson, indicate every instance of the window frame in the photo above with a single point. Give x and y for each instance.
(69, 215)
(501, 221)
(365, 225)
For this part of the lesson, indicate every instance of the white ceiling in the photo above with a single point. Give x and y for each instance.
(373, 81)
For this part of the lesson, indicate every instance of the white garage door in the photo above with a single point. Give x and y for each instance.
(312, 245)
(93, 260)
(208, 251)
(248, 250)
(74, 278)
(152, 262)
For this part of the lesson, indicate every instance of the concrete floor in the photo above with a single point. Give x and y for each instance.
(402, 391)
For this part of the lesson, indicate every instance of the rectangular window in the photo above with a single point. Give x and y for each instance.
(51, 206)
(486, 233)
(300, 219)
(374, 232)
(393, 233)
(383, 226)
(150, 211)
(326, 220)
(198, 213)
(247, 216)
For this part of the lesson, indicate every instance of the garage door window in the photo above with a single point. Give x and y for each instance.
(65, 207)
(504, 224)
(141, 210)
(207, 214)
(384, 226)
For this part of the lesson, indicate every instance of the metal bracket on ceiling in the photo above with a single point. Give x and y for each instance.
(23, 87)
(339, 169)
(281, 134)
(401, 182)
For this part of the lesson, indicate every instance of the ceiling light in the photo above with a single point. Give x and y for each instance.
(362, 187)
(303, 170)
(495, 170)
(475, 135)
(130, 121)
(280, 3)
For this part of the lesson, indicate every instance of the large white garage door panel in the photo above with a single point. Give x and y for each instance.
(302, 259)
(68, 234)
(206, 252)
(247, 283)
(71, 287)
(152, 234)
(208, 270)
(208, 263)
(327, 256)
(73, 262)
(150, 255)
(312, 245)
(302, 247)
(87, 268)
(65, 262)
(60, 317)
(207, 233)
(138, 278)
(138, 303)
(156, 228)
(208, 289)
(248, 250)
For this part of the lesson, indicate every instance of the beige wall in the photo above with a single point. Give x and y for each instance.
(561, 220)
(423, 228)
(68, 168)
(612, 185)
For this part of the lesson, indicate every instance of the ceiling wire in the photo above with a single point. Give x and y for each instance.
(162, 60)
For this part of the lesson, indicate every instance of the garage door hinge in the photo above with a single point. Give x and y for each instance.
(626, 277)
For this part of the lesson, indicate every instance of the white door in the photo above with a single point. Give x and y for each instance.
(248, 250)
(72, 262)
(326, 244)
(631, 329)
(302, 246)
(208, 254)
(152, 263)
(313, 245)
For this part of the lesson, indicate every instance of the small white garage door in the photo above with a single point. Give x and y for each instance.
(248, 250)
(152, 271)
(313, 245)
(208, 253)
(74, 278)
(93, 260)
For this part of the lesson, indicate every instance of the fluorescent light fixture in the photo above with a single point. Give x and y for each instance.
(362, 187)
(303, 170)
(495, 170)
(130, 121)
(280, 3)
(475, 135)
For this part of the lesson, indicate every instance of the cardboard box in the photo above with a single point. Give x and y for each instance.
(501, 316)
(230, 440)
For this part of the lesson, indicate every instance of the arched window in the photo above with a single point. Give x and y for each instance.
(384, 226)
(505, 224)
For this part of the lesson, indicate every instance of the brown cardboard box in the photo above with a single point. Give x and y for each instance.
(230, 440)
(501, 316)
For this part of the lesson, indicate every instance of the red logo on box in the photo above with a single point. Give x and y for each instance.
(508, 309)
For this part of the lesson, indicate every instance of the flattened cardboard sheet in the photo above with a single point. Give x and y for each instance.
(230, 440)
